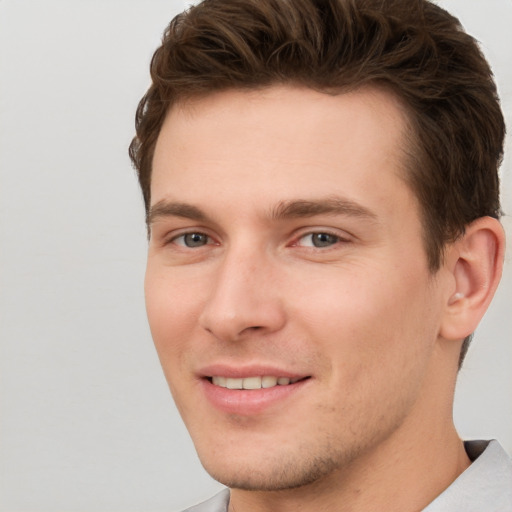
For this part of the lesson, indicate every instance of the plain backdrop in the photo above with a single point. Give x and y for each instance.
(87, 422)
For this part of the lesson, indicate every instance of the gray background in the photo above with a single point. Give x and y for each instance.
(87, 423)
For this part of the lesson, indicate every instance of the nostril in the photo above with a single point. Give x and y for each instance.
(253, 328)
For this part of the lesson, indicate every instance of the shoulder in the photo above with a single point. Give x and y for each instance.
(485, 485)
(217, 503)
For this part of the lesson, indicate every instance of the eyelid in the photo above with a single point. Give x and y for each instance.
(173, 235)
(184, 235)
(343, 236)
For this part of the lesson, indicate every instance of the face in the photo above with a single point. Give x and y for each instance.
(287, 284)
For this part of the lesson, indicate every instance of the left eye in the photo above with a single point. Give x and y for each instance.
(319, 240)
(192, 240)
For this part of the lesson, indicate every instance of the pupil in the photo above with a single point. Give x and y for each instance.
(323, 239)
(195, 239)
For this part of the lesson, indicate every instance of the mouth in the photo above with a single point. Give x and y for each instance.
(253, 383)
(250, 390)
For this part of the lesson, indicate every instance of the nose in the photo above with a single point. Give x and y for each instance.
(244, 298)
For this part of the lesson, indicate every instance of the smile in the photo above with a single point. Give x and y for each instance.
(249, 394)
(252, 382)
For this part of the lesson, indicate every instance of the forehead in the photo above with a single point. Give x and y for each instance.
(278, 142)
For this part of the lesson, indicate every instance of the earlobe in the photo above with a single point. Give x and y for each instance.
(476, 267)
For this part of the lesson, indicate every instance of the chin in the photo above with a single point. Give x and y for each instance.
(274, 471)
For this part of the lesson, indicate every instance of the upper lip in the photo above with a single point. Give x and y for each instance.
(243, 371)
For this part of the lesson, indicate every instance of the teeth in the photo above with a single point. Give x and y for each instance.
(252, 382)
(234, 383)
(219, 381)
(268, 382)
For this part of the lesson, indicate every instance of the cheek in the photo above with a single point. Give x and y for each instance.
(378, 341)
(367, 318)
(172, 313)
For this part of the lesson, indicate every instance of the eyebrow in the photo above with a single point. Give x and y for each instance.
(166, 208)
(298, 208)
(332, 205)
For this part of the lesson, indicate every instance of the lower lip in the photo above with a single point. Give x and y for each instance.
(249, 402)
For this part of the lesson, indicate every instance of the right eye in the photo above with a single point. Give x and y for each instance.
(192, 240)
(319, 240)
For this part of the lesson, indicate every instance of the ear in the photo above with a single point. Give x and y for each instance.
(475, 262)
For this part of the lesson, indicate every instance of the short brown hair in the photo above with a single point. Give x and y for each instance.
(413, 48)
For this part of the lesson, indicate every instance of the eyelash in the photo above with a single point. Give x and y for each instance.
(335, 239)
(174, 239)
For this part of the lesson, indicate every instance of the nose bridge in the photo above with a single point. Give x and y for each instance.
(244, 295)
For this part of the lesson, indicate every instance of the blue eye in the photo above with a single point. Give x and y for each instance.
(192, 240)
(319, 240)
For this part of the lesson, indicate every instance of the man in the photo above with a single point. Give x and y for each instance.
(321, 189)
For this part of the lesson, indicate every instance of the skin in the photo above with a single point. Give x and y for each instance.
(360, 316)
